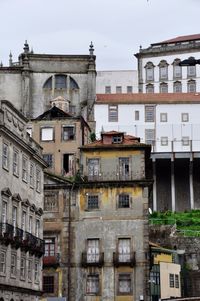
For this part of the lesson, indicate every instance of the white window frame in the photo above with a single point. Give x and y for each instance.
(113, 113)
(184, 117)
(163, 117)
(185, 141)
(3, 262)
(164, 141)
(46, 134)
(23, 268)
(36, 272)
(31, 175)
(5, 156)
(15, 162)
(25, 168)
(13, 265)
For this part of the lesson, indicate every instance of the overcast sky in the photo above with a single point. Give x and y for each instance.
(116, 27)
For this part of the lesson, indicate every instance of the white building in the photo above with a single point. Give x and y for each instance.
(159, 70)
(21, 203)
(170, 122)
(118, 81)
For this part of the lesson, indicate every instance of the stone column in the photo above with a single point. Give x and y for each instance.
(173, 185)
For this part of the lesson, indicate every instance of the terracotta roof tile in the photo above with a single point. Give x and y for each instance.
(187, 38)
(142, 98)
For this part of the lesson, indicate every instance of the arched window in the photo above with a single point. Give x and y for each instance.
(191, 86)
(191, 70)
(177, 87)
(177, 70)
(48, 84)
(163, 70)
(149, 71)
(73, 84)
(60, 82)
(149, 88)
(163, 88)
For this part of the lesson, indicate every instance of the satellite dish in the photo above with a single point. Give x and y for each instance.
(150, 211)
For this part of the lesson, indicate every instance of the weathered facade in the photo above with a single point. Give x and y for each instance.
(36, 79)
(110, 255)
(21, 207)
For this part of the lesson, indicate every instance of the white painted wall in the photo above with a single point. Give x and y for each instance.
(121, 78)
(174, 128)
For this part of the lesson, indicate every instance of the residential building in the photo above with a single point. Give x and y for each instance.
(37, 78)
(110, 256)
(21, 207)
(117, 81)
(165, 273)
(170, 123)
(159, 70)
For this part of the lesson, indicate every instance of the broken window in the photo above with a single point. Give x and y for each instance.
(68, 164)
(124, 168)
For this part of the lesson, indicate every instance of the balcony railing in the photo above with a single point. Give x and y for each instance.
(92, 259)
(52, 261)
(21, 239)
(113, 176)
(124, 259)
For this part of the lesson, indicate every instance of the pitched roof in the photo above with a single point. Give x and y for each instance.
(150, 98)
(54, 113)
(179, 39)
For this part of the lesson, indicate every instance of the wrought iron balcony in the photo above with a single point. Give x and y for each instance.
(124, 259)
(112, 176)
(17, 237)
(92, 259)
(52, 261)
(6, 233)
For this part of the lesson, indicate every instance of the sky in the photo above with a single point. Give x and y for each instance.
(117, 28)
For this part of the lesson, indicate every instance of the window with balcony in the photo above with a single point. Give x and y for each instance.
(92, 250)
(48, 158)
(13, 265)
(47, 134)
(68, 133)
(150, 88)
(124, 249)
(30, 225)
(23, 268)
(191, 86)
(14, 219)
(2, 262)
(15, 162)
(37, 228)
(124, 201)
(5, 157)
(49, 247)
(93, 168)
(24, 168)
(149, 113)
(48, 284)
(124, 168)
(23, 220)
(92, 201)
(124, 284)
(4, 214)
(163, 70)
(92, 285)
(113, 113)
(149, 71)
(30, 270)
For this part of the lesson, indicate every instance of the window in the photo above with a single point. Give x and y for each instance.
(191, 70)
(124, 284)
(60, 82)
(164, 141)
(113, 113)
(93, 168)
(177, 87)
(171, 280)
(31, 174)
(149, 71)
(2, 262)
(150, 136)
(30, 226)
(107, 89)
(124, 168)
(24, 220)
(116, 139)
(163, 88)
(68, 164)
(176, 281)
(38, 180)
(149, 113)
(49, 247)
(4, 213)
(129, 89)
(68, 133)
(163, 67)
(149, 88)
(36, 276)
(47, 134)
(191, 86)
(92, 286)
(93, 250)
(137, 115)
(72, 109)
(48, 284)
(184, 117)
(14, 219)
(92, 201)
(50, 202)
(124, 249)
(119, 89)
(15, 162)
(13, 265)
(48, 84)
(24, 168)
(163, 117)
(177, 69)
(48, 158)
(5, 158)
(29, 131)
(22, 267)
(124, 201)
(37, 228)
(185, 141)
(155, 277)
(29, 270)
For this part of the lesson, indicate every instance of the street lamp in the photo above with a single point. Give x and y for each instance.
(189, 62)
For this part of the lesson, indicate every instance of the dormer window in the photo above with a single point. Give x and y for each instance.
(117, 139)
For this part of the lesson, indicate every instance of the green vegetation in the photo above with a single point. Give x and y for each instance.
(187, 223)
